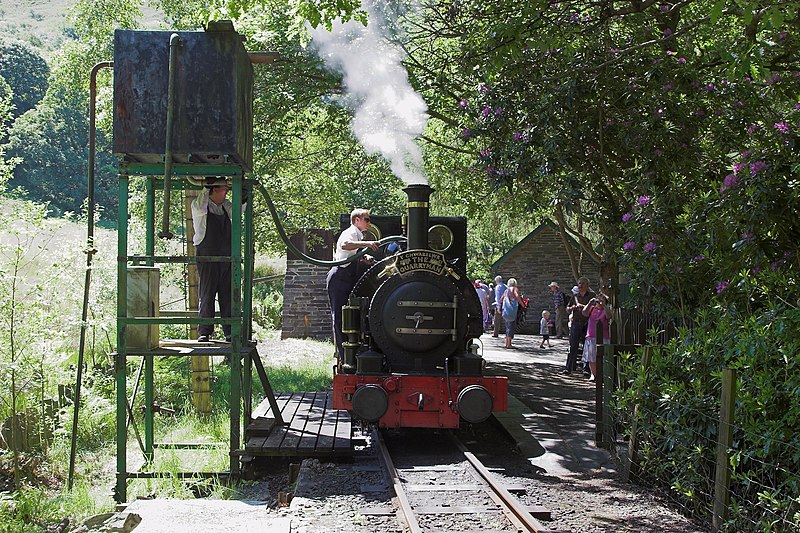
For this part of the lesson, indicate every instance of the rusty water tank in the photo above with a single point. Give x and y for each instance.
(213, 115)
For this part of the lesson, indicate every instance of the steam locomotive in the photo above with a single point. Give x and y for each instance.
(410, 355)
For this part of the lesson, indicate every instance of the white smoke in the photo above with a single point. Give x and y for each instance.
(389, 115)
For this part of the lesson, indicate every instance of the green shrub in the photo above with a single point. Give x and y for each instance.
(679, 397)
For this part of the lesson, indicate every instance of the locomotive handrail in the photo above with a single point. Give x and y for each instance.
(307, 258)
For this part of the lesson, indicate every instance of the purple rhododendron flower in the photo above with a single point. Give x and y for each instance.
(722, 285)
(699, 258)
(748, 236)
(643, 200)
(465, 132)
(628, 246)
(681, 60)
(484, 89)
(650, 246)
(738, 167)
(498, 111)
(667, 32)
(463, 103)
(797, 106)
(668, 86)
(486, 111)
(752, 128)
(758, 167)
(486, 152)
(745, 154)
(756, 270)
(782, 127)
(627, 217)
(730, 182)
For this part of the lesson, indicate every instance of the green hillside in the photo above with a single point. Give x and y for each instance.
(42, 23)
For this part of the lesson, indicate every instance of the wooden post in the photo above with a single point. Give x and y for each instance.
(722, 479)
(600, 408)
(607, 389)
(633, 444)
(199, 365)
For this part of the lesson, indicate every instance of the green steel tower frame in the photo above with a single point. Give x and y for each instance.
(240, 350)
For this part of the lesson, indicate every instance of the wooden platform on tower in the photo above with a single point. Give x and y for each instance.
(311, 428)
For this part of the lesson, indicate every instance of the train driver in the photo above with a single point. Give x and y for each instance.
(342, 279)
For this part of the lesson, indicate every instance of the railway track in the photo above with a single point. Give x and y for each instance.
(441, 486)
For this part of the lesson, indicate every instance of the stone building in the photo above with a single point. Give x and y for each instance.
(306, 312)
(537, 260)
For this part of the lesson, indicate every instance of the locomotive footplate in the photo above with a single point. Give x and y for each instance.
(407, 400)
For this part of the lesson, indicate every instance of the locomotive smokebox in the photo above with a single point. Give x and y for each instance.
(418, 210)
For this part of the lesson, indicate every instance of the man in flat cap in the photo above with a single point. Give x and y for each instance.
(211, 215)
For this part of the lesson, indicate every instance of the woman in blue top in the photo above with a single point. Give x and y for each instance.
(509, 303)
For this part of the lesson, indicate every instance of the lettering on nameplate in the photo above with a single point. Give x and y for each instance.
(421, 261)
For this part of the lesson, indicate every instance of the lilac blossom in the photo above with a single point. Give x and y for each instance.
(650, 246)
(730, 182)
(627, 217)
(722, 285)
(738, 167)
(463, 103)
(757, 167)
(643, 200)
(628, 246)
(782, 127)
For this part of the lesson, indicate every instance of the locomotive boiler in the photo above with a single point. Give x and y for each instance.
(410, 353)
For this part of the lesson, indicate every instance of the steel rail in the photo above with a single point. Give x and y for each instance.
(523, 518)
(405, 506)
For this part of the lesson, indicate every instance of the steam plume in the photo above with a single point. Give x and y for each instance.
(389, 115)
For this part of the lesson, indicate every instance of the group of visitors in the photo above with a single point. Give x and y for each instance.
(501, 304)
(577, 315)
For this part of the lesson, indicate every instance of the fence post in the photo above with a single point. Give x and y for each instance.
(598, 396)
(609, 375)
(722, 479)
(633, 443)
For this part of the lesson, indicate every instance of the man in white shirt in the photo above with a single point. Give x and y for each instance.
(342, 279)
(211, 216)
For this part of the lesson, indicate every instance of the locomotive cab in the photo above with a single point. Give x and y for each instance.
(410, 323)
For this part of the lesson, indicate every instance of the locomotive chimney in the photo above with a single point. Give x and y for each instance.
(418, 208)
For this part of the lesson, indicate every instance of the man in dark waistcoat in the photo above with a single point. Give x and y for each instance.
(211, 215)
